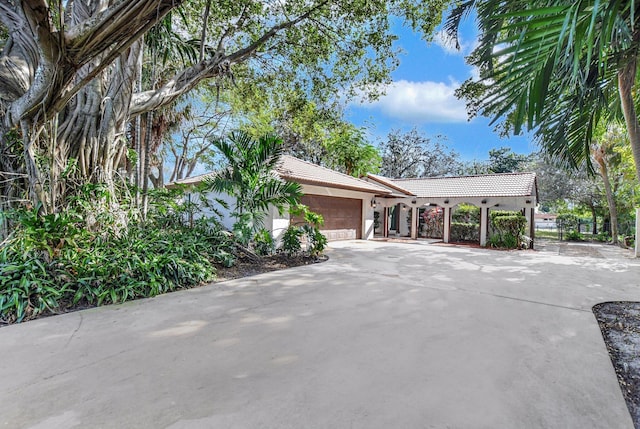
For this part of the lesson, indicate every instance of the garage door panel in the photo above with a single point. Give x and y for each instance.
(342, 216)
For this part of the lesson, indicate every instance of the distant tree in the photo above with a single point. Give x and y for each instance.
(349, 152)
(505, 160)
(412, 154)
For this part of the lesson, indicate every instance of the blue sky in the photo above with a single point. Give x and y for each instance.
(422, 96)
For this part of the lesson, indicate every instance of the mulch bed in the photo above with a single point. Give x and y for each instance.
(245, 267)
(620, 326)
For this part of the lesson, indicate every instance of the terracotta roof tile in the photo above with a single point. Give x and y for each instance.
(487, 185)
(304, 172)
(389, 183)
(297, 170)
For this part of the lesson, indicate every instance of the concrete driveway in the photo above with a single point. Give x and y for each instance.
(384, 335)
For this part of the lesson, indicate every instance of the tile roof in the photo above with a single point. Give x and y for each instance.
(487, 185)
(389, 183)
(297, 170)
(303, 172)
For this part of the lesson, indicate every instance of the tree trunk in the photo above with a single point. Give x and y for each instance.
(626, 81)
(600, 158)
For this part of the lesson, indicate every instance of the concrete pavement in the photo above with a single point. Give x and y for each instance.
(383, 335)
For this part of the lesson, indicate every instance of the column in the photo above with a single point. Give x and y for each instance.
(414, 223)
(385, 222)
(484, 223)
(447, 224)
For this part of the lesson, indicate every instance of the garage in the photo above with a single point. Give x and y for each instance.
(342, 216)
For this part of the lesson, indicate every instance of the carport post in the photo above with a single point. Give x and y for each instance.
(484, 222)
(414, 223)
(447, 224)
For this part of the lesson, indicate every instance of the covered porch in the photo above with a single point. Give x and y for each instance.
(413, 206)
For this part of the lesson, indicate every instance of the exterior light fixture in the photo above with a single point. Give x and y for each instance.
(374, 203)
(446, 201)
(484, 201)
(413, 201)
(528, 201)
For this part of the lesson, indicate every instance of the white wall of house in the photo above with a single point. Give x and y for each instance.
(206, 212)
(277, 223)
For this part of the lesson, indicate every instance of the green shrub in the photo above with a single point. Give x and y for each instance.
(43, 270)
(508, 228)
(291, 240)
(264, 243)
(466, 213)
(573, 235)
(461, 231)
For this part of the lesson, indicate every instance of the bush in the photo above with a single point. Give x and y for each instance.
(51, 264)
(308, 231)
(291, 244)
(263, 243)
(573, 235)
(461, 231)
(509, 227)
(466, 213)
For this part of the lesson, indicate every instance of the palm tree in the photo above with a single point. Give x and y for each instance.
(558, 67)
(249, 176)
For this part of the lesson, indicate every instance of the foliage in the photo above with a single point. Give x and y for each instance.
(249, 176)
(466, 213)
(433, 222)
(509, 227)
(464, 231)
(376, 220)
(263, 243)
(556, 68)
(308, 230)
(349, 152)
(411, 154)
(291, 244)
(573, 235)
(52, 263)
(568, 221)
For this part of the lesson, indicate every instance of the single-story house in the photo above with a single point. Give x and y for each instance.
(546, 221)
(343, 201)
(358, 208)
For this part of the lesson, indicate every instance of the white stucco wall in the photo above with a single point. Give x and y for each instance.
(204, 211)
(277, 223)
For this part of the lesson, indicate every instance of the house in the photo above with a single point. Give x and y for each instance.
(359, 208)
(546, 221)
(343, 201)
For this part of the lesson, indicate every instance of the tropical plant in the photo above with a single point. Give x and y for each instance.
(249, 176)
(263, 243)
(557, 67)
(70, 70)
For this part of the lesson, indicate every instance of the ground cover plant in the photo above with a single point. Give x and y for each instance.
(53, 263)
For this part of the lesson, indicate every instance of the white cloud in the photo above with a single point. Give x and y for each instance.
(421, 102)
(448, 44)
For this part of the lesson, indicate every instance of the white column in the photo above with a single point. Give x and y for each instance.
(484, 222)
(414, 223)
(447, 224)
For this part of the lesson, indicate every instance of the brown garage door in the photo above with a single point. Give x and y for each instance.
(342, 216)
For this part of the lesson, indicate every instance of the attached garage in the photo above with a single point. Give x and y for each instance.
(346, 203)
(342, 216)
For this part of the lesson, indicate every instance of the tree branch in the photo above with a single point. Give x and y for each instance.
(218, 65)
